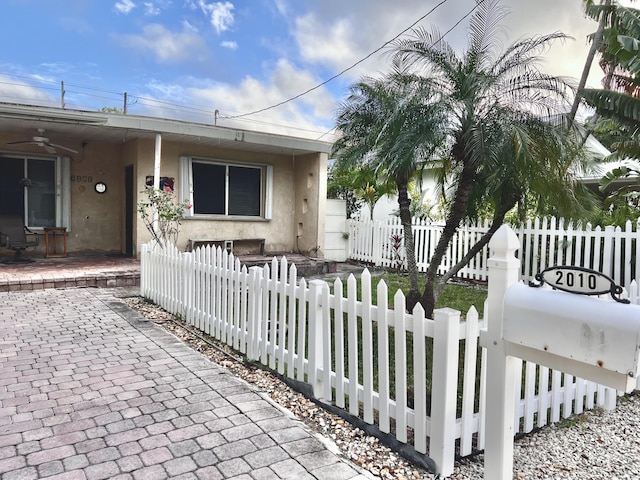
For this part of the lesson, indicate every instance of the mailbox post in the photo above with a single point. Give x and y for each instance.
(592, 338)
(504, 271)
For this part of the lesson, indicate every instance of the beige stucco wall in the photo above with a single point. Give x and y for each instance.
(310, 202)
(294, 179)
(95, 219)
(98, 221)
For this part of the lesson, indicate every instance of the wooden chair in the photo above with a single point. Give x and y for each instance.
(13, 235)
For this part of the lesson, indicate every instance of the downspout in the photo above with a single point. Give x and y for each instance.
(156, 175)
(295, 231)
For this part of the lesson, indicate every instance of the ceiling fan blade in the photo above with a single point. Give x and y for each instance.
(23, 141)
(48, 147)
(62, 147)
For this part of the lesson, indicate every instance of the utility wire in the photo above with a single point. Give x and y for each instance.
(205, 110)
(348, 68)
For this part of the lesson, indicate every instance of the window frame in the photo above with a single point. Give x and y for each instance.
(187, 188)
(62, 185)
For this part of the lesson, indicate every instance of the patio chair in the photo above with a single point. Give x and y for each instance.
(13, 235)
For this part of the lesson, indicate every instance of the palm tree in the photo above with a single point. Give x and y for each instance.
(596, 44)
(620, 99)
(364, 183)
(537, 171)
(620, 48)
(392, 125)
(492, 96)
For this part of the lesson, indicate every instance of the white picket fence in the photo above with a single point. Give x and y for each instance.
(613, 251)
(355, 352)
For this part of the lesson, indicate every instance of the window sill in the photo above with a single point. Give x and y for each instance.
(226, 218)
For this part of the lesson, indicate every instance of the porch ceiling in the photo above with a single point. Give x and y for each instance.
(90, 127)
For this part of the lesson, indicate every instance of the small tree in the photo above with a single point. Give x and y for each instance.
(358, 185)
(169, 214)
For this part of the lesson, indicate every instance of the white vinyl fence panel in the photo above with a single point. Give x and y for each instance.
(368, 357)
(613, 251)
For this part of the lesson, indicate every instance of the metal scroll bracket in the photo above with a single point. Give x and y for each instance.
(579, 280)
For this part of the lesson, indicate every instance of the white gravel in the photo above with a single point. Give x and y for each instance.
(596, 445)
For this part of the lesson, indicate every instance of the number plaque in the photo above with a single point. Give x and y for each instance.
(580, 280)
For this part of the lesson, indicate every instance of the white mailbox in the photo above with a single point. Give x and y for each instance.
(587, 337)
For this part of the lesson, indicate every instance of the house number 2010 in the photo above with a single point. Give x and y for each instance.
(569, 279)
(580, 280)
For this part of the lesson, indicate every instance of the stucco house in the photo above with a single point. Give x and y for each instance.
(85, 171)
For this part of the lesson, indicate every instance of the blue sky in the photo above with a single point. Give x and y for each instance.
(187, 58)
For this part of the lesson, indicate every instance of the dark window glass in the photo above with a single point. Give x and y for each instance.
(244, 191)
(210, 194)
(41, 193)
(208, 188)
(36, 184)
(12, 186)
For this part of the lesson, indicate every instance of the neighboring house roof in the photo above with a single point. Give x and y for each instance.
(115, 127)
(604, 167)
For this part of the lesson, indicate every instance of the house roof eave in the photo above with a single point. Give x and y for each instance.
(116, 127)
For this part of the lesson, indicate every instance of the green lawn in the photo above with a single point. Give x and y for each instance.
(457, 296)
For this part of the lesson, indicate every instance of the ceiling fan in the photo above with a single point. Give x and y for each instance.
(42, 141)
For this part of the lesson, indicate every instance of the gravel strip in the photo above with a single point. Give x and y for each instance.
(596, 445)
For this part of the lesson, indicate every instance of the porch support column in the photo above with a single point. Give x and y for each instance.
(156, 175)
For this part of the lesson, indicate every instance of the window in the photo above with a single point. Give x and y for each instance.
(37, 189)
(228, 189)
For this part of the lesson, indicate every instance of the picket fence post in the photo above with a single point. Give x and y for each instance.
(377, 242)
(254, 318)
(504, 271)
(144, 265)
(317, 337)
(446, 343)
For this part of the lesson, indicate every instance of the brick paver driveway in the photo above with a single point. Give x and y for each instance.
(89, 391)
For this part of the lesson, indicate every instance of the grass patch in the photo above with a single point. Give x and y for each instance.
(457, 296)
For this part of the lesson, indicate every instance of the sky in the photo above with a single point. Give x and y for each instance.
(209, 61)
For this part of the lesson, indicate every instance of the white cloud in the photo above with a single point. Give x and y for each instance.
(282, 7)
(335, 36)
(336, 47)
(125, 6)
(186, 25)
(12, 90)
(151, 9)
(220, 14)
(229, 44)
(307, 117)
(165, 45)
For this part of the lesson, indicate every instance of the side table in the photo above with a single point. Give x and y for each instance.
(50, 234)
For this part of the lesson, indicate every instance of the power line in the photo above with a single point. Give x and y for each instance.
(206, 111)
(135, 99)
(348, 68)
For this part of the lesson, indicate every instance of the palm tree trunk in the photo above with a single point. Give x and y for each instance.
(456, 214)
(496, 223)
(595, 45)
(405, 218)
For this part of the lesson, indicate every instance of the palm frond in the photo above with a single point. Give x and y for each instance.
(617, 105)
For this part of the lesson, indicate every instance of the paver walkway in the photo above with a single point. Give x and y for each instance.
(88, 390)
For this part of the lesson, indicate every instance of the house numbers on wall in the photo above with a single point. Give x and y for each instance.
(82, 178)
(579, 280)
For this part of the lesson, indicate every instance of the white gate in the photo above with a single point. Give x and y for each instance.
(335, 243)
